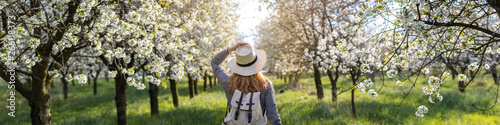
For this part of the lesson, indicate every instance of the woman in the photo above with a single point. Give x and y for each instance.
(246, 77)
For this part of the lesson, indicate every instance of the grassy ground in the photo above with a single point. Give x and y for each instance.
(300, 107)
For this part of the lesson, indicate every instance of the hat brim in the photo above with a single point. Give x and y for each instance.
(249, 70)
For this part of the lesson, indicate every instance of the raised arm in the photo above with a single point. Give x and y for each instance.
(218, 71)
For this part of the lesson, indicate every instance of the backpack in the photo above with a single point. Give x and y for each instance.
(245, 110)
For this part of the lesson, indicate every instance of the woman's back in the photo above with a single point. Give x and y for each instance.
(247, 78)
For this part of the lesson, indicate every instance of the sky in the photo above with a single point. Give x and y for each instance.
(250, 17)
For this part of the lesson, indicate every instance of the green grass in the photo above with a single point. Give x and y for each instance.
(299, 107)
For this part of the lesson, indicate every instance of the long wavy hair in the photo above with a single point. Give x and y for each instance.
(246, 84)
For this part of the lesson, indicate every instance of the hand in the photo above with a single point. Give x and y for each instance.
(233, 48)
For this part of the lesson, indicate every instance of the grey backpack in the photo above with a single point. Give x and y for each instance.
(245, 110)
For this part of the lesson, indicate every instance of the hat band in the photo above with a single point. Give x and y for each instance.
(248, 64)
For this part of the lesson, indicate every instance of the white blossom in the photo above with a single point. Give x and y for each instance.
(434, 81)
(365, 68)
(361, 87)
(419, 114)
(112, 74)
(422, 109)
(399, 83)
(446, 74)
(461, 77)
(473, 66)
(82, 79)
(392, 73)
(372, 93)
(425, 71)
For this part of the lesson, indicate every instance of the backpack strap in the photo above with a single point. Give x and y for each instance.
(239, 106)
(250, 108)
(227, 108)
(263, 109)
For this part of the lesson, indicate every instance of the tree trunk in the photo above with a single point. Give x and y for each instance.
(461, 86)
(210, 80)
(284, 78)
(52, 84)
(317, 81)
(352, 102)
(153, 98)
(495, 4)
(65, 87)
(144, 78)
(73, 80)
(28, 82)
(95, 80)
(195, 86)
(454, 72)
(39, 102)
(494, 73)
(95, 86)
(290, 79)
(107, 77)
(190, 86)
(215, 81)
(295, 81)
(205, 82)
(40, 113)
(353, 77)
(449, 64)
(121, 99)
(175, 93)
(372, 77)
(334, 84)
(89, 80)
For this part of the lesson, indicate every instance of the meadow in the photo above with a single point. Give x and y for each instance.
(296, 107)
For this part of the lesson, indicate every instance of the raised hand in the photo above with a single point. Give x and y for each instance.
(233, 48)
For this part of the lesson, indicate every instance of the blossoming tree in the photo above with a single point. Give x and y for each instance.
(154, 37)
(437, 37)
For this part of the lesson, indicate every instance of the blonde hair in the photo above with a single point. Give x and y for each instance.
(246, 84)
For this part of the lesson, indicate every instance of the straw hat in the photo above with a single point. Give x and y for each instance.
(248, 61)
